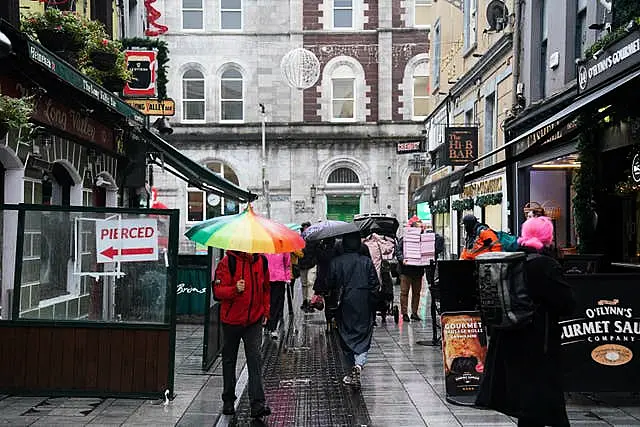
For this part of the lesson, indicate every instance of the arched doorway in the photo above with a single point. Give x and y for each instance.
(203, 205)
(414, 182)
(343, 194)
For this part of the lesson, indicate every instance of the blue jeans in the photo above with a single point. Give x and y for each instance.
(361, 358)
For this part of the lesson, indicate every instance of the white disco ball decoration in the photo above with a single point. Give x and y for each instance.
(300, 68)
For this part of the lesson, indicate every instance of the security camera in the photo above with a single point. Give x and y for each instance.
(163, 126)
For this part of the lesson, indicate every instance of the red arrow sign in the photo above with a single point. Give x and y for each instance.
(111, 252)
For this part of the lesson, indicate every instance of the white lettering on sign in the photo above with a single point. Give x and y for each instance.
(182, 288)
(127, 240)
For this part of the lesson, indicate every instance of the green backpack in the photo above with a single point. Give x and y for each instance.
(508, 241)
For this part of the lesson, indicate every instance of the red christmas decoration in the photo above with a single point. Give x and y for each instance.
(152, 17)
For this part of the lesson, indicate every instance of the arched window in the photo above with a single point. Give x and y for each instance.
(193, 96)
(343, 176)
(421, 91)
(231, 96)
(342, 94)
(202, 205)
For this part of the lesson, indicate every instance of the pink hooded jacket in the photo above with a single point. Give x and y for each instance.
(279, 267)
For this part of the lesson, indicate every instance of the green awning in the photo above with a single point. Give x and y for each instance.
(166, 155)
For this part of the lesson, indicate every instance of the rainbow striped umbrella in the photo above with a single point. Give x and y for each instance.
(246, 232)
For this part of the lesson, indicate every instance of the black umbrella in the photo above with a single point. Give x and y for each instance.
(333, 230)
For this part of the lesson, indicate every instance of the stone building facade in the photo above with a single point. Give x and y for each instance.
(331, 149)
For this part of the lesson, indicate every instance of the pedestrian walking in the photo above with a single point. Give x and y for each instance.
(479, 238)
(279, 276)
(523, 373)
(326, 251)
(410, 280)
(242, 285)
(307, 266)
(357, 283)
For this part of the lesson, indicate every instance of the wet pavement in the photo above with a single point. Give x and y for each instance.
(402, 385)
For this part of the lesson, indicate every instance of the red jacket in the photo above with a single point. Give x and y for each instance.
(250, 306)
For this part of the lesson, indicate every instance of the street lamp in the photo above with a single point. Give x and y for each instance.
(265, 183)
(313, 192)
(374, 193)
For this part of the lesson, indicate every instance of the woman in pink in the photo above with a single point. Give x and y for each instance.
(279, 276)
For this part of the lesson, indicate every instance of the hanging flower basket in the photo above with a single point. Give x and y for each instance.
(103, 61)
(113, 84)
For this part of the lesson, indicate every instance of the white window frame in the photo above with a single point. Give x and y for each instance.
(494, 116)
(413, 95)
(336, 76)
(244, 92)
(470, 15)
(204, 193)
(416, 5)
(241, 10)
(190, 9)
(203, 99)
(353, 16)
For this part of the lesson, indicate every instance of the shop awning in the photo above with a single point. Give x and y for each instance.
(441, 188)
(186, 169)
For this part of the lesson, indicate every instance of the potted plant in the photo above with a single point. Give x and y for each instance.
(65, 33)
(15, 113)
(102, 52)
(113, 79)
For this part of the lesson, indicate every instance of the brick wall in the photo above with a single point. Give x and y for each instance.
(311, 14)
(406, 45)
(397, 11)
(362, 47)
(372, 14)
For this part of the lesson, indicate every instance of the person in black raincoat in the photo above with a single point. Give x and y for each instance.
(357, 283)
(523, 373)
(325, 252)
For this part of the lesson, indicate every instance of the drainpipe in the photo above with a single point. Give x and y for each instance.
(516, 50)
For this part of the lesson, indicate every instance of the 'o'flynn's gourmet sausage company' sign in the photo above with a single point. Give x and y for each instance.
(601, 340)
(461, 145)
(619, 57)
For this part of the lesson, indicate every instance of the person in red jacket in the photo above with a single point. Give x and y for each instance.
(243, 290)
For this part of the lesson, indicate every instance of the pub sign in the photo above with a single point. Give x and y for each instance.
(143, 65)
(461, 145)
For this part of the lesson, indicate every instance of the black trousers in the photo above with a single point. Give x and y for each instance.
(252, 337)
(277, 304)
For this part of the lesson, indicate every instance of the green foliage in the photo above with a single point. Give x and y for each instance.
(489, 199)
(163, 59)
(617, 34)
(586, 183)
(624, 11)
(72, 24)
(440, 206)
(15, 113)
(462, 205)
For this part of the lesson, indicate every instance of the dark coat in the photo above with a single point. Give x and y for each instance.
(523, 372)
(357, 279)
(309, 258)
(325, 252)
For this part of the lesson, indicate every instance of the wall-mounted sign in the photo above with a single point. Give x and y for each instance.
(635, 168)
(481, 188)
(127, 240)
(153, 107)
(464, 347)
(143, 65)
(617, 58)
(461, 145)
(408, 147)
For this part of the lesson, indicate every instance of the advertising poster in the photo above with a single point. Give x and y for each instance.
(600, 342)
(464, 347)
(143, 65)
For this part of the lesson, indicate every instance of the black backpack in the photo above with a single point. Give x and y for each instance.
(232, 269)
(505, 302)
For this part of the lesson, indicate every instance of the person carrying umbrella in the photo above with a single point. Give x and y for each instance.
(242, 286)
(357, 282)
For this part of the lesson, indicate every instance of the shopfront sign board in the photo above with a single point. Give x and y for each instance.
(408, 147)
(143, 65)
(619, 57)
(79, 81)
(635, 168)
(464, 348)
(127, 240)
(154, 107)
(600, 341)
(461, 145)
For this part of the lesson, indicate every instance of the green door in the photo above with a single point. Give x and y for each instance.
(343, 207)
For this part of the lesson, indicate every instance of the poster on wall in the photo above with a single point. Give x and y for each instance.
(423, 211)
(464, 348)
(143, 65)
(600, 342)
